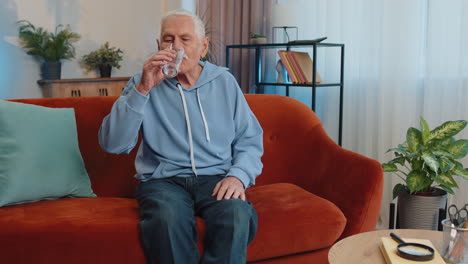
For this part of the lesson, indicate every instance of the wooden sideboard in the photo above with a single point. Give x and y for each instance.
(83, 87)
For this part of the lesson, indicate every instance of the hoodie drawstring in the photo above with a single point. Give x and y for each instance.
(207, 131)
(189, 129)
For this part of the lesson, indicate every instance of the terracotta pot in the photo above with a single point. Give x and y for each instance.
(421, 211)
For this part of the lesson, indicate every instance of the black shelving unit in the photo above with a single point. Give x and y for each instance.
(260, 83)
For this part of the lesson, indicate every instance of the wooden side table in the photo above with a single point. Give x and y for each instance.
(83, 87)
(364, 248)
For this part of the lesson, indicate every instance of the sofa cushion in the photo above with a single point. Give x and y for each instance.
(72, 231)
(105, 230)
(292, 220)
(39, 154)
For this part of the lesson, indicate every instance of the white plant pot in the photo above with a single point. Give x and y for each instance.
(258, 40)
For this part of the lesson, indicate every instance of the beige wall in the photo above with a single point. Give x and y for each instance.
(132, 26)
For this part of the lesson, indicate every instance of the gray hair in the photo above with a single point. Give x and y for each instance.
(199, 25)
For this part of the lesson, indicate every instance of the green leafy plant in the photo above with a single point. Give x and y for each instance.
(428, 158)
(51, 47)
(104, 56)
(255, 35)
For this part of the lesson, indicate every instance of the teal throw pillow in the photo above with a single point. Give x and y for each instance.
(39, 154)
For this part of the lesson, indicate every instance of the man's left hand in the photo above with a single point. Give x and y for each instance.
(229, 187)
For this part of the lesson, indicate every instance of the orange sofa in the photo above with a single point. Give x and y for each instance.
(310, 194)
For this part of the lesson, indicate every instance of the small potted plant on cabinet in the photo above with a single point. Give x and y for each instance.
(257, 38)
(427, 163)
(48, 47)
(103, 59)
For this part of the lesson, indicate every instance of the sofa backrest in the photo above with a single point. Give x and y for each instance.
(291, 132)
(288, 125)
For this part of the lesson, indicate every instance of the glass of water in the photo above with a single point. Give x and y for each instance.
(171, 69)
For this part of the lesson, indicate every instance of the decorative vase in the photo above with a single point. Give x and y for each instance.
(105, 71)
(51, 70)
(421, 211)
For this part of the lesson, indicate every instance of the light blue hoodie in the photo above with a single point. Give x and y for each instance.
(206, 130)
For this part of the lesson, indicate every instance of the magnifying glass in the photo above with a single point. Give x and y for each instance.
(413, 251)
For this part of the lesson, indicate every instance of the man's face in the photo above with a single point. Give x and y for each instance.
(180, 32)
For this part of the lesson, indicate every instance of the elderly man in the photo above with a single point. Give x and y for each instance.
(201, 148)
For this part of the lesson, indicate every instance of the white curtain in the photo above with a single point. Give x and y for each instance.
(403, 59)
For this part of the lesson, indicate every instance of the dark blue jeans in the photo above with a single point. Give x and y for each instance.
(168, 231)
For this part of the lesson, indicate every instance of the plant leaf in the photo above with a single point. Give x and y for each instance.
(441, 144)
(446, 180)
(400, 149)
(416, 164)
(442, 153)
(461, 172)
(413, 139)
(399, 160)
(431, 162)
(447, 129)
(389, 167)
(48, 46)
(424, 130)
(397, 189)
(458, 164)
(458, 149)
(417, 181)
(104, 56)
(445, 164)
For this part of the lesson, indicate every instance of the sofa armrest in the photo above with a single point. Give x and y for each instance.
(299, 151)
(351, 181)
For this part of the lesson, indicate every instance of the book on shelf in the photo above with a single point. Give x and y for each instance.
(297, 71)
(305, 63)
(388, 247)
(299, 66)
(287, 64)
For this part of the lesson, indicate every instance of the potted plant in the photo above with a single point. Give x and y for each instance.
(427, 162)
(257, 38)
(50, 48)
(103, 59)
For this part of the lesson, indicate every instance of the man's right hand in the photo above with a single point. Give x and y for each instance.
(152, 72)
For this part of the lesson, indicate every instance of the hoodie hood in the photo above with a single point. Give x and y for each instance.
(209, 73)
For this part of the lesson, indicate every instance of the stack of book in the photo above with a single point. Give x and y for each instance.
(299, 66)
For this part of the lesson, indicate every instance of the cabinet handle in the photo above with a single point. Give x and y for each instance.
(103, 92)
(75, 93)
